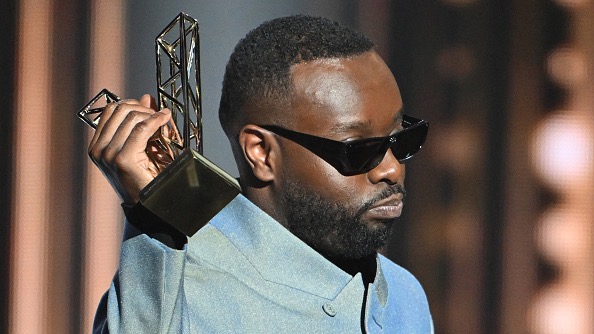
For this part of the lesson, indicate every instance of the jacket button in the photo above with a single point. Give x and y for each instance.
(329, 309)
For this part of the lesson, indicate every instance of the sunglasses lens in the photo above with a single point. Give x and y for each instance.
(409, 141)
(366, 155)
(362, 155)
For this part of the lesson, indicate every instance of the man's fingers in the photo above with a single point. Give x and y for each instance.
(110, 109)
(118, 115)
(142, 132)
(107, 114)
(148, 101)
(122, 133)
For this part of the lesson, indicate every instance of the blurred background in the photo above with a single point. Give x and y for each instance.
(499, 221)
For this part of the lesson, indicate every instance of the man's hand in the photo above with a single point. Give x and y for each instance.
(119, 144)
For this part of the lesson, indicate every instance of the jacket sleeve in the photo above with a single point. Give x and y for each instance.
(147, 292)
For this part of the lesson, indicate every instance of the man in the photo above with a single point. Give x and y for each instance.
(315, 121)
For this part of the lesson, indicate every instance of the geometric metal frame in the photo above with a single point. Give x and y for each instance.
(178, 89)
(178, 79)
(91, 112)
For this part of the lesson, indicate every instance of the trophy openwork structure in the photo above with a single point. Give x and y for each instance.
(188, 190)
(91, 113)
(178, 83)
(178, 89)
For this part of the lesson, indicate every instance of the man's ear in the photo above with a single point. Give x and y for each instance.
(258, 150)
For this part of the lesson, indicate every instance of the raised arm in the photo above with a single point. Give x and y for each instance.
(146, 295)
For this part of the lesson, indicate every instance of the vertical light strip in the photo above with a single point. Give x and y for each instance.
(32, 133)
(584, 101)
(103, 212)
(564, 158)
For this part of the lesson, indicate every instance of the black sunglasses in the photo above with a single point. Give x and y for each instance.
(362, 155)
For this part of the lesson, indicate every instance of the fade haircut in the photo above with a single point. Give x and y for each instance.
(259, 69)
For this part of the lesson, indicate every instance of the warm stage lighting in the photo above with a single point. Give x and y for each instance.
(567, 67)
(563, 151)
(564, 236)
(573, 4)
(560, 310)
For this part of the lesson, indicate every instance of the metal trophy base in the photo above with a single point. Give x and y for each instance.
(189, 192)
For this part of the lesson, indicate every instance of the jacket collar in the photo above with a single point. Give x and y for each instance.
(279, 256)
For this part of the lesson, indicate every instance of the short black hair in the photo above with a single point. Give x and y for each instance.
(259, 67)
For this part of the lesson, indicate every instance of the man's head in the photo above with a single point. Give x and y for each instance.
(313, 76)
(259, 70)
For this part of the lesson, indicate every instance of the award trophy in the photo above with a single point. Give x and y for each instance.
(189, 190)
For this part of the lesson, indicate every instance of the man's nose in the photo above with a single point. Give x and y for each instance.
(390, 170)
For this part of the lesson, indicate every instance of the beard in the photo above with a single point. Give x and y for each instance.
(332, 228)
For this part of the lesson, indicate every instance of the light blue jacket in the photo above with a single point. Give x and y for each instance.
(245, 273)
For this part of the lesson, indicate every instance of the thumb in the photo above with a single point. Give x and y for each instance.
(148, 101)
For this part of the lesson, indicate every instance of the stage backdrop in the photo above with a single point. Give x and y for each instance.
(498, 225)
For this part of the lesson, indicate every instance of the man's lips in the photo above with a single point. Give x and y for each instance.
(388, 208)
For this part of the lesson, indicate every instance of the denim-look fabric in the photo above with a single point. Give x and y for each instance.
(245, 273)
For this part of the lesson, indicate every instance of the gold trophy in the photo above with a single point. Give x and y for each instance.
(189, 190)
